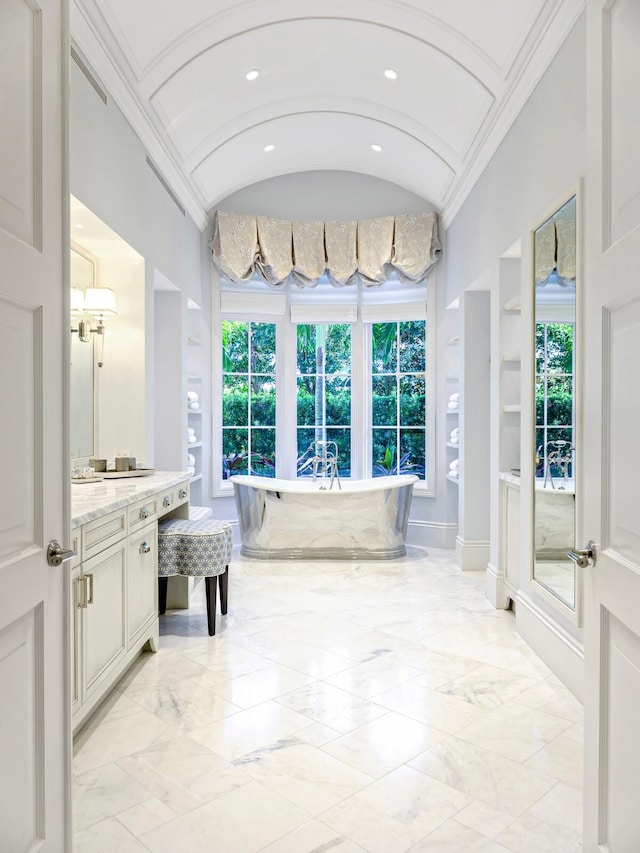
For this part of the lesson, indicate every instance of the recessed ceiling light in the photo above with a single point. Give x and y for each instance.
(376, 147)
(253, 74)
(269, 147)
(390, 74)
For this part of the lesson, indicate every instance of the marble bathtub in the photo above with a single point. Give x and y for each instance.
(555, 514)
(303, 520)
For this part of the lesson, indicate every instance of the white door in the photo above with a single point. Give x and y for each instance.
(611, 512)
(34, 496)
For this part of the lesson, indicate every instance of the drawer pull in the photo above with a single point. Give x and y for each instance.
(144, 512)
(144, 548)
(182, 493)
(166, 501)
(89, 597)
(80, 593)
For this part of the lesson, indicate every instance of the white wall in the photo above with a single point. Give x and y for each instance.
(347, 195)
(109, 174)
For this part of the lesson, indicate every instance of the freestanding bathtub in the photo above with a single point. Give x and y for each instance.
(555, 514)
(303, 520)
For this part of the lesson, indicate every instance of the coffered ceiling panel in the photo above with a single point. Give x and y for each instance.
(462, 70)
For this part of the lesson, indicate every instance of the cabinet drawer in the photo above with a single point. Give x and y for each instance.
(102, 533)
(173, 497)
(143, 512)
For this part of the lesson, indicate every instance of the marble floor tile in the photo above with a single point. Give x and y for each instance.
(382, 707)
(483, 775)
(257, 687)
(252, 729)
(514, 731)
(453, 837)
(394, 813)
(102, 793)
(183, 774)
(383, 744)
(303, 774)
(313, 837)
(242, 821)
(331, 706)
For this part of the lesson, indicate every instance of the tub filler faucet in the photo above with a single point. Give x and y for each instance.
(325, 461)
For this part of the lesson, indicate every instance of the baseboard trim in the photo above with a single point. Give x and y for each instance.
(433, 534)
(472, 555)
(495, 589)
(562, 653)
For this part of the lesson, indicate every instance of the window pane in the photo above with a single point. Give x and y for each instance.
(412, 346)
(412, 400)
(263, 348)
(306, 400)
(235, 401)
(559, 453)
(263, 401)
(306, 338)
(560, 347)
(305, 443)
(384, 400)
(384, 347)
(412, 457)
(235, 346)
(540, 352)
(263, 452)
(383, 451)
(337, 345)
(342, 438)
(338, 401)
(540, 401)
(234, 452)
(540, 441)
(559, 400)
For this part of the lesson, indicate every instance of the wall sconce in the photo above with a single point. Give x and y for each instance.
(100, 302)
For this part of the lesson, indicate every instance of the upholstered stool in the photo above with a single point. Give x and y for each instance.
(196, 549)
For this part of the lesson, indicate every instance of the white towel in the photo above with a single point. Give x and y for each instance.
(454, 465)
(191, 469)
(454, 473)
(193, 404)
(453, 406)
(191, 439)
(192, 396)
(191, 431)
(454, 397)
(455, 432)
(453, 439)
(191, 459)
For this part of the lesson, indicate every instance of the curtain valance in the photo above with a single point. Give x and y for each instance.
(243, 244)
(555, 250)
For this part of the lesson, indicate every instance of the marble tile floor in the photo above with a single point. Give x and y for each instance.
(343, 707)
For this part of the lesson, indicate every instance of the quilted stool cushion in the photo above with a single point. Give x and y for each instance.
(196, 549)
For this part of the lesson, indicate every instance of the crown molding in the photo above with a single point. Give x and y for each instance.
(89, 45)
(558, 28)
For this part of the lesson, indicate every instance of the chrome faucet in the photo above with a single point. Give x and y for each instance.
(324, 461)
(558, 453)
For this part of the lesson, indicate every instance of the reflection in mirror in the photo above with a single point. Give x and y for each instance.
(555, 403)
(82, 372)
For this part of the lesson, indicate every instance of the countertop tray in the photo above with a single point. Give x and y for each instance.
(139, 472)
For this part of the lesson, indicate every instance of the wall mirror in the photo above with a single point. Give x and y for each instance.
(82, 383)
(556, 476)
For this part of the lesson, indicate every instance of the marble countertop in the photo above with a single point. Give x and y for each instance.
(93, 500)
(508, 477)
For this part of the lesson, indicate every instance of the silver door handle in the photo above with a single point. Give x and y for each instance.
(584, 557)
(56, 553)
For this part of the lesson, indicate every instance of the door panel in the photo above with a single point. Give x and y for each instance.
(610, 514)
(35, 740)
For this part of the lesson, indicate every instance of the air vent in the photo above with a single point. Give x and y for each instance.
(85, 70)
(171, 193)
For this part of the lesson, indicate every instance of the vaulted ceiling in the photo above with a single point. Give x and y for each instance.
(177, 70)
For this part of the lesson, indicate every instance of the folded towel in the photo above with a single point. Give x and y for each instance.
(191, 469)
(191, 431)
(454, 397)
(454, 473)
(193, 404)
(453, 439)
(191, 459)
(191, 439)
(453, 406)
(192, 396)
(454, 465)
(455, 431)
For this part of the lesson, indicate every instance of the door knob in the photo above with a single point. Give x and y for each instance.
(56, 553)
(584, 557)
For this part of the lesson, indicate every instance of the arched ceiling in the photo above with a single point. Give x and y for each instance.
(176, 69)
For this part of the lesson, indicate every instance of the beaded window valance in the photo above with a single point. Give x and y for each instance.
(304, 251)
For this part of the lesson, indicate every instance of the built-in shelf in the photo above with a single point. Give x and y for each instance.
(193, 378)
(451, 444)
(453, 479)
(512, 407)
(454, 340)
(453, 377)
(194, 411)
(194, 340)
(196, 477)
(194, 444)
(512, 358)
(453, 411)
(512, 305)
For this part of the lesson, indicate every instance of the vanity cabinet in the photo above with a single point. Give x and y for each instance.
(114, 587)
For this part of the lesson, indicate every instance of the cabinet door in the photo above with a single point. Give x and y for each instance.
(142, 580)
(103, 620)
